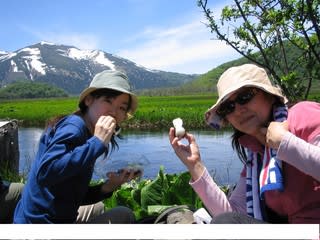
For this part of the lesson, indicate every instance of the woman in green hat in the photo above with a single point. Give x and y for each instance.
(59, 179)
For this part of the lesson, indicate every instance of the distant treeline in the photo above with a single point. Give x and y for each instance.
(27, 89)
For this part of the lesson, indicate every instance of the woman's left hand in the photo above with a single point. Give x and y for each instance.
(116, 179)
(275, 133)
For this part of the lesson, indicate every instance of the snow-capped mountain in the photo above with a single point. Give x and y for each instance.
(72, 69)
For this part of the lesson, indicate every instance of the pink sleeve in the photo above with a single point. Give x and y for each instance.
(301, 147)
(304, 120)
(215, 199)
(300, 154)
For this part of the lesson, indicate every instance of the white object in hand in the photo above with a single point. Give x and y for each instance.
(179, 130)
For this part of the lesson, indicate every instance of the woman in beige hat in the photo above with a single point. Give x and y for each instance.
(59, 179)
(280, 150)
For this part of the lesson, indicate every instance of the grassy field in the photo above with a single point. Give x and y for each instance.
(36, 112)
(152, 113)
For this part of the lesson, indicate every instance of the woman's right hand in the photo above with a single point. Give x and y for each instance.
(116, 179)
(189, 154)
(104, 129)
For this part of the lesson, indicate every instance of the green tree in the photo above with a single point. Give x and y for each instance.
(28, 89)
(282, 36)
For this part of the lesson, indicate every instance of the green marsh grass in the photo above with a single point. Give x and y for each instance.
(158, 112)
(152, 113)
(36, 112)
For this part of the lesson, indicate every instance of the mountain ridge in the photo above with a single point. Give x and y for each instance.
(72, 69)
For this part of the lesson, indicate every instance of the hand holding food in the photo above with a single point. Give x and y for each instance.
(179, 130)
(188, 153)
(105, 128)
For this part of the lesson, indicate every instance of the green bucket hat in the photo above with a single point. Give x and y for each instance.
(112, 79)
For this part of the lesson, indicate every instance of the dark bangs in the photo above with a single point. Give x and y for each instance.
(103, 92)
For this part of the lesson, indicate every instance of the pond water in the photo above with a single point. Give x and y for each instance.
(150, 150)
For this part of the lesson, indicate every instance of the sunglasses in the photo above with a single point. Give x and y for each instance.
(242, 98)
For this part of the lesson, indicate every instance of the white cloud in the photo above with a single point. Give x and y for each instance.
(76, 39)
(184, 47)
(173, 48)
(82, 41)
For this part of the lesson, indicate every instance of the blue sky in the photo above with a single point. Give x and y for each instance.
(167, 35)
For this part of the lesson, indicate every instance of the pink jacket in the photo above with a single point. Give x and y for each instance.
(300, 152)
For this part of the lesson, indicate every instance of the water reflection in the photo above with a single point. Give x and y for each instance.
(28, 145)
(155, 150)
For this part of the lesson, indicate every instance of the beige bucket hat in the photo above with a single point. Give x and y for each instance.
(112, 79)
(234, 78)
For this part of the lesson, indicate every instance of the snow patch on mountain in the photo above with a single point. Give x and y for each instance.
(94, 55)
(7, 56)
(100, 58)
(14, 66)
(31, 51)
(46, 43)
(33, 60)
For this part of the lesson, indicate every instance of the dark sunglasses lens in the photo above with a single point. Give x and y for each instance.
(244, 97)
(226, 108)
